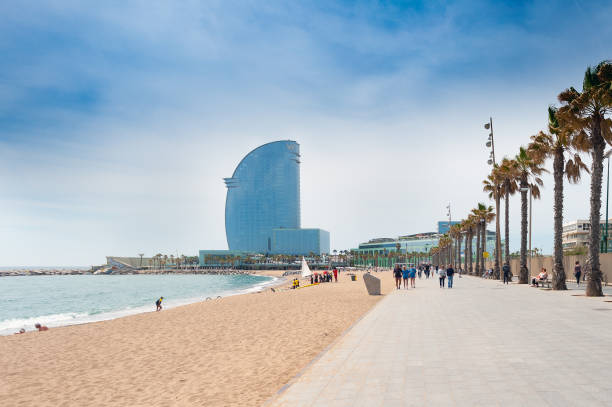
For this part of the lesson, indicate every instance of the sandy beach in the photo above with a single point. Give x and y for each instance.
(235, 351)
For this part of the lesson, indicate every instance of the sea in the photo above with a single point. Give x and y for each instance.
(76, 299)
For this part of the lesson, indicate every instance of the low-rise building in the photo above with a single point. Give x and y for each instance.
(576, 233)
(415, 243)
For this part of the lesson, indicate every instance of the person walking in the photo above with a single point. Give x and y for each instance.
(450, 272)
(506, 270)
(397, 273)
(405, 276)
(336, 274)
(426, 271)
(442, 276)
(412, 276)
(577, 272)
(158, 303)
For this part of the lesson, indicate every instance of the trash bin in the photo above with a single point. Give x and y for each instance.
(353, 277)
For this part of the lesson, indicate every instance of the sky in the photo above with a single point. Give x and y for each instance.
(119, 119)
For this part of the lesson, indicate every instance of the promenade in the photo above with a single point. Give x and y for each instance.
(478, 344)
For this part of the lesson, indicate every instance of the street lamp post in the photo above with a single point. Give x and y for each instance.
(491, 161)
(491, 141)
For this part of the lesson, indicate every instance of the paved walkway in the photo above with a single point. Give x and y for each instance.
(478, 344)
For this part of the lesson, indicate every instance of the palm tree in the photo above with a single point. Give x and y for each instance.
(559, 140)
(445, 243)
(469, 224)
(476, 225)
(529, 167)
(492, 185)
(585, 112)
(488, 215)
(483, 215)
(509, 186)
(458, 243)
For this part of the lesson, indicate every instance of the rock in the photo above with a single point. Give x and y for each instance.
(372, 284)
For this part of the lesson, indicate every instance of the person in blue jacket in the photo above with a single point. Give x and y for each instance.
(405, 275)
(412, 274)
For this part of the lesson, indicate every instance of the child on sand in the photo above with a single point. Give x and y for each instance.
(158, 303)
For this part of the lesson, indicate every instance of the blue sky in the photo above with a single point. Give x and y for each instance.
(119, 120)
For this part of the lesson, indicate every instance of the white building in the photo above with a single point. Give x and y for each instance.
(576, 233)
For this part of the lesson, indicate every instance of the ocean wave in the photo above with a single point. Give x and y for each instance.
(14, 325)
(10, 326)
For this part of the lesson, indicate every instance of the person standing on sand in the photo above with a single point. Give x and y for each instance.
(336, 274)
(158, 303)
(442, 275)
(397, 273)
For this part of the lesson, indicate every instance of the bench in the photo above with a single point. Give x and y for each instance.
(543, 282)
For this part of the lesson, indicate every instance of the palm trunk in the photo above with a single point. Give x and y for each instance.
(497, 238)
(483, 246)
(471, 251)
(478, 271)
(507, 224)
(524, 274)
(459, 251)
(468, 268)
(594, 288)
(558, 280)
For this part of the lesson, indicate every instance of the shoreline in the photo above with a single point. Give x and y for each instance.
(88, 272)
(239, 350)
(82, 318)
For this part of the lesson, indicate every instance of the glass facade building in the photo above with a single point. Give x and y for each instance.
(300, 241)
(262, 208)
(419, 243)
(443, 226)
(263, 194)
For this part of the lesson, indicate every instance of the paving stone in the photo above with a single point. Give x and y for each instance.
(479, 343)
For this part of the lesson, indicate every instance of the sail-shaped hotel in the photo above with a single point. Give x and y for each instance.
(262, 208)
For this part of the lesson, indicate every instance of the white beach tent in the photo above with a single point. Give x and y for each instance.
(305, 269)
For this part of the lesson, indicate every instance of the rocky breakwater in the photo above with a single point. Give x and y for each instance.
(42, 272)
(224, 272)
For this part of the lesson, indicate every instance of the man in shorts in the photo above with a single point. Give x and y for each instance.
(397, 273)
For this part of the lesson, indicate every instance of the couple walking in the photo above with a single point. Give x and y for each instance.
(443, 274)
